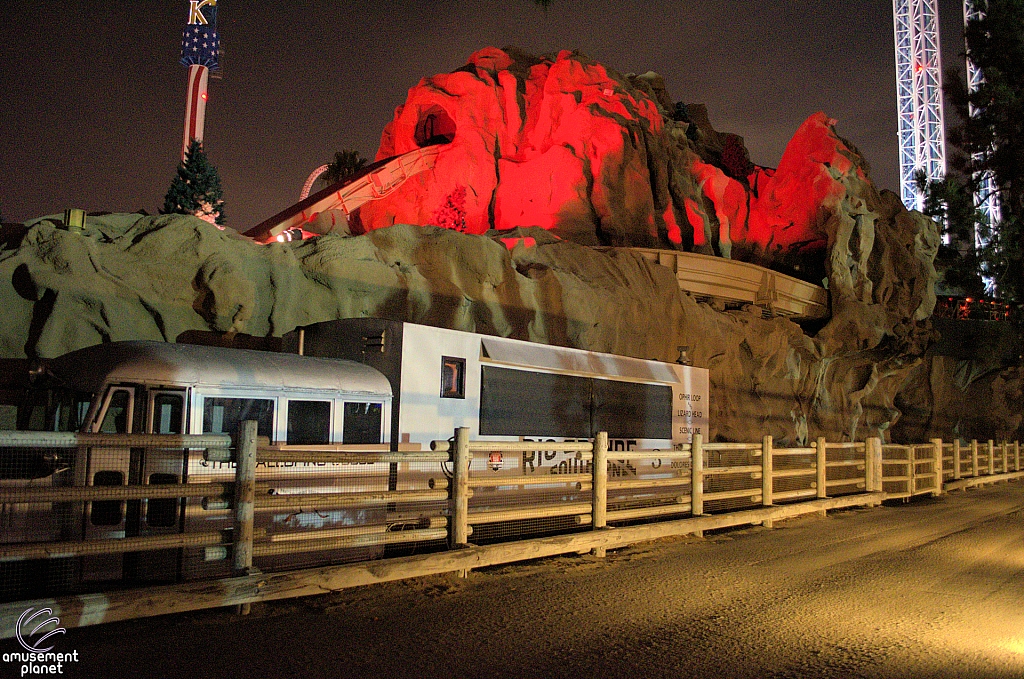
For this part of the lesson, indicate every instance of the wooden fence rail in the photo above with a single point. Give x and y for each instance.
(869, 472)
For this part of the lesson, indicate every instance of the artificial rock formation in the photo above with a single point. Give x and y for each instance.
(566, 144)
(546, 157)
(165, 278)
(595, 157)
(175, 277)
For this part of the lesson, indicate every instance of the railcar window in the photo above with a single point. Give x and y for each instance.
(115, 421)
(453, 377)
(30, 463)
(32, 411)
(71, 412)
(631, 410)
(32, 417)
(167, 413)
(162, 512)
(107, 512)
(8, 416)
(309, 422)
(523, 403)
(362, 423)
(46, 410)
(223, 415)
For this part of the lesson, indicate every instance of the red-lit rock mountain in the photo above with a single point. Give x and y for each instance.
(599, 158)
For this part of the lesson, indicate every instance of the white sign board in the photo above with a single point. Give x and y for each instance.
(690, 404)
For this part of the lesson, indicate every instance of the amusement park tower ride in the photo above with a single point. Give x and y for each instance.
(919, 100)
(200, 48)
(918, 95)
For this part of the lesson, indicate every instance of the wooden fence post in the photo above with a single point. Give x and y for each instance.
(1005, 457)
(245, 501)
(766, 475)
(697, 477)
(956, 459)
(991, 457)
(873, 464)
(869, 470)
(821, 467)
(1016, 456)
(912, 470)
(974, 457)
(459, 536)
(939, 464)
(600, 489)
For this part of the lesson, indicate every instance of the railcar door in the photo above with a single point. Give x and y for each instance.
(108, 466)
(165, 414)
(128, 409)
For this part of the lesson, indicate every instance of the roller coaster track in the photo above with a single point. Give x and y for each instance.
(374, 182)
(730, 282)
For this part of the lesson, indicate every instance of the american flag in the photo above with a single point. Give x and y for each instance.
(199, 42)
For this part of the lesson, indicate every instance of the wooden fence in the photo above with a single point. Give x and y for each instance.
(762, 482)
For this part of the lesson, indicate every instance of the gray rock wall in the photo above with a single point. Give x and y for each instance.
(161, 278)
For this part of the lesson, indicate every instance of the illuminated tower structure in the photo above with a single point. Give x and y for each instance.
(919, 96)
(987, 198)
(200, 48)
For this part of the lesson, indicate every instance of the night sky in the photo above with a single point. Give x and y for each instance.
(93, 95)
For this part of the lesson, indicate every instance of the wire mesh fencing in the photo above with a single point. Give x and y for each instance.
(732, 476)
(93, 512)
(794, 474)
(528, 488)
(910, 470)
(846, 468)
(649, 484)
(82, 512)
(332, 505)
(925, 469)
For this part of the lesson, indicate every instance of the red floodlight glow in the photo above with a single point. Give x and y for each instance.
(204, 96)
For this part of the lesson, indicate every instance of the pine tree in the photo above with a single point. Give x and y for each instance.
(951, 203)
(195, 189)
(989, 139)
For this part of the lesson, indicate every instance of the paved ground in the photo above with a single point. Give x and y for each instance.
(934, 588)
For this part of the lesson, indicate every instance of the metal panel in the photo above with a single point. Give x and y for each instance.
(521, 403)
(575, 361)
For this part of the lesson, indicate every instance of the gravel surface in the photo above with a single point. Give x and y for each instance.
(932, 588)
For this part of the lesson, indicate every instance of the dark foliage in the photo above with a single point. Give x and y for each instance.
(681, 115)
(988, 141)
(347, 163)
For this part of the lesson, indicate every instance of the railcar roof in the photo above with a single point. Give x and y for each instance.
(162, 363)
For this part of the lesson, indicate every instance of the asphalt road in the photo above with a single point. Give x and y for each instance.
(933, 588)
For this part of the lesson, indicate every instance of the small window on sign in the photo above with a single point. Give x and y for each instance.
(453, 377)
